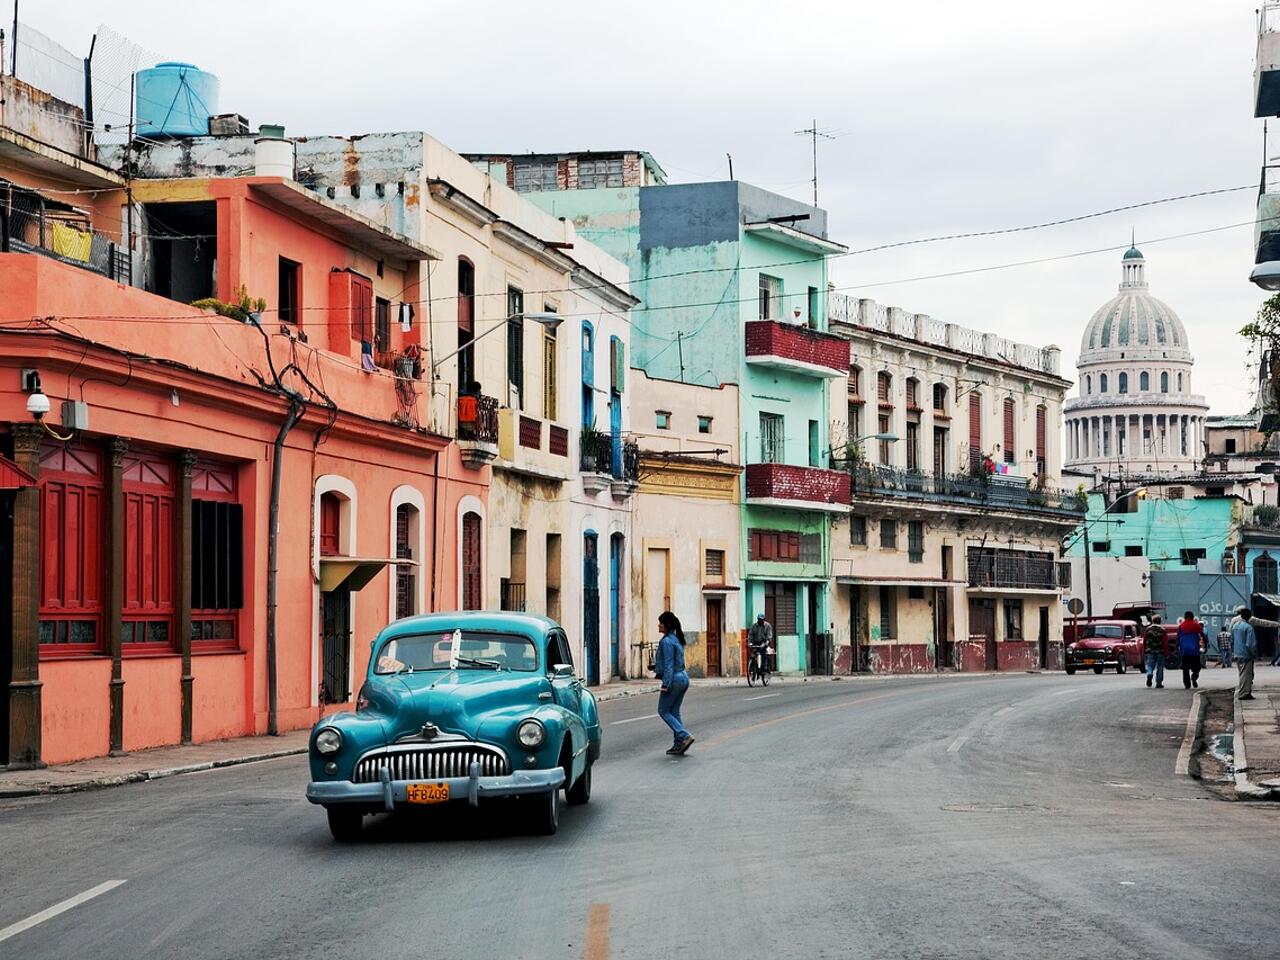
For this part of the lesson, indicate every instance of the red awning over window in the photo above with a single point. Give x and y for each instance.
(13, 477)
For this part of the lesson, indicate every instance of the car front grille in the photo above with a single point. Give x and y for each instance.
(431, 763)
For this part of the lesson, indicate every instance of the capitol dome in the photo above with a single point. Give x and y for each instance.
(1134, 321)
(1134, 410)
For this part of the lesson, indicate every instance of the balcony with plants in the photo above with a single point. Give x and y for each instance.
(608, 461)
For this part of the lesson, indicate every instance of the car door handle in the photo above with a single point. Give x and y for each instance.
(544, 695)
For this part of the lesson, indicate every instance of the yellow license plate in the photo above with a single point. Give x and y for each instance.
(427, 792)
(1088, 663)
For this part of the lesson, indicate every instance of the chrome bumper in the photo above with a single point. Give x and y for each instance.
(387, 793)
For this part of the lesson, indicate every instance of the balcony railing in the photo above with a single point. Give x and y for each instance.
(599, 454)
(1004, 570)
(30, 223)
(811, 487)
(478, 418)
(870, 481)
(796, 348)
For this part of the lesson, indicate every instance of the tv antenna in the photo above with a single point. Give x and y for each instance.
(814, 132)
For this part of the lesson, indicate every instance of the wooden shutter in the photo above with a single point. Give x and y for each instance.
(883, 385)
(1010, 453)
(361, 308)
(471, 592)
(1041, 431)
(466, 296)
(330, 517)
(975, 427)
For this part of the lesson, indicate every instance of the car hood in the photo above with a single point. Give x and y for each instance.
(458, 701)
(1097, 643)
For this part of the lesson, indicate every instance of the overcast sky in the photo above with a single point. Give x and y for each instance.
(953, 117)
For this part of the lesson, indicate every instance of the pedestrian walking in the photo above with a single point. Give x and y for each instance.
(1191, 640)
(1156, 644)
(669, 666)
(1224, 645)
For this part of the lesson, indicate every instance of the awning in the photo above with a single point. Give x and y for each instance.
(13, 477)
(1270, 598)
(900, 581)
(353, 572)
(719, 587)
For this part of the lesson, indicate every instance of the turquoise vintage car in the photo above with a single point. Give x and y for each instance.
(459, 706)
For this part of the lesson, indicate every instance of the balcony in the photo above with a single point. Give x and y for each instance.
(797, 488)
(1010, 570)
(1266, 77)
(785, 346)
(609, 461)
(32, 223)
(879, 482)
(478, 430)
(532, 447)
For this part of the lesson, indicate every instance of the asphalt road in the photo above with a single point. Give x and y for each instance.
(1010, 816)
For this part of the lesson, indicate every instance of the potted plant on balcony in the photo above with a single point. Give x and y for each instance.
(590, 442)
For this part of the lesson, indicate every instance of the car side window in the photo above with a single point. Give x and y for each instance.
(562, 643)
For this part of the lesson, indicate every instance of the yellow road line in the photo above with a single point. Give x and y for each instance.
(597, 945)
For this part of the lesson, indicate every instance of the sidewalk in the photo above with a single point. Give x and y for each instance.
(1257, 743)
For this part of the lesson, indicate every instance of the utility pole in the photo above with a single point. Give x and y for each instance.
(730, 156)
(814, 133)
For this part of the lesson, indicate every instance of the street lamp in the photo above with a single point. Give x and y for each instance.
(546, 318)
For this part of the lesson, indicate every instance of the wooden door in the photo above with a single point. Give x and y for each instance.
(715, 630)
(472, 590)
(982, 626)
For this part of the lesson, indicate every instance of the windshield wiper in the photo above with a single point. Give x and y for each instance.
(473, 662)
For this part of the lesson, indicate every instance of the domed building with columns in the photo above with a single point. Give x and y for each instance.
(1135, 411)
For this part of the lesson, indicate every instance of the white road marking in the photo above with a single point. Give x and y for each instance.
(614, 723)
(1059, 693)
(1188, 738)
(50, 912)
(1002, 711)
(764, 696)
(957, 743)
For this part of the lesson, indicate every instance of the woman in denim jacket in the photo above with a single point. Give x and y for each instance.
(669, 666)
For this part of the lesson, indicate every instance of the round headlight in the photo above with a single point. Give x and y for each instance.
(1108, 650)
(328, 741)
(531, 733)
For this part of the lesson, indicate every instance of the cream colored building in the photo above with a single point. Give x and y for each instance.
(686, 549)
(949, 557)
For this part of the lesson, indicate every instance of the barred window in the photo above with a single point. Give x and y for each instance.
(915, 541)
(889, 534)
(858, 531)
(811, 548)
(888, 613)
(715, 566)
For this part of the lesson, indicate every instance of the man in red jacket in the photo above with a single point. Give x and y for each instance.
(1191, 640)
(1154, 642)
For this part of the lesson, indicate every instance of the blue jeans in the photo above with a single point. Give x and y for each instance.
(669, 706)
(1155, 664)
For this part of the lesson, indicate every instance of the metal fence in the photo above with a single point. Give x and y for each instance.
(1004, 569)
(31, 223)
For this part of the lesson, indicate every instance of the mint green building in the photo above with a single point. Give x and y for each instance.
(732, 281)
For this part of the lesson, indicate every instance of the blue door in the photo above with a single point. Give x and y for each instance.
(615, 601)
(615, 433)
(591, 605)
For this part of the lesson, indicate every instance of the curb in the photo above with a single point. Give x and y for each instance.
(1190, 764)
(1245, 788)
(141, 776)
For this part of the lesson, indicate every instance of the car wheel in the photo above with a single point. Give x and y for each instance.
(544, 812)
(1121, 666)
(1098, 669)
(580, 792)
(345, 825)
(1071, 671)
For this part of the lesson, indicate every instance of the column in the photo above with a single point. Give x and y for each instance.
(24, 683)
(182, 582)
(1122, 436)
(113, 557)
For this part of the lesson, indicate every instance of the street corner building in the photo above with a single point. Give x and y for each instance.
(950, 556)
(187, 418)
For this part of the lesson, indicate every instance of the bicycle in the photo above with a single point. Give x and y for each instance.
(758, 669)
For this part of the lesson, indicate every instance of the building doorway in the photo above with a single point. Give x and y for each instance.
(615, 601)
(591, 605)
(982, 627)
(715, 630)
(335, 628)
(816, 639)
(1043, 636)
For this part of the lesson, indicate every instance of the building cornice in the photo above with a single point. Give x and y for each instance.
(445, 193)
(1125, 403)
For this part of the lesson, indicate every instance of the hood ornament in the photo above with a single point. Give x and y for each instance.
(429, 731)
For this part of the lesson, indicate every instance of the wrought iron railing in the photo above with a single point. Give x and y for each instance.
(29, 223)
(478, 418)
(1004, 569)
(598, 454)
(878, 480)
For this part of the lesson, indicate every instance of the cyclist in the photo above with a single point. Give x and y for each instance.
(759, 640)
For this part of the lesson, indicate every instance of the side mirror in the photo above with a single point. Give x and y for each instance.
(562, 671)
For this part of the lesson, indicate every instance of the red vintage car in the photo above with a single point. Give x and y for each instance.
(1106, 643)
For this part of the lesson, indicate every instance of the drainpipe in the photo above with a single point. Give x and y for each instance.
(296, 410)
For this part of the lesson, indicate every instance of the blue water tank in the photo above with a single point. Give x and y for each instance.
(175, 100)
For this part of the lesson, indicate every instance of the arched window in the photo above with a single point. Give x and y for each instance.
(1179, 383)
(940, 397)
(1010, 417)
(472, 593)
(1144, 382)
(1102, 383)
(466, 323)
(406, 540)
(1088, 385)
(1164, 382)
(1264, 574)
(1124, 383)
(884, 387)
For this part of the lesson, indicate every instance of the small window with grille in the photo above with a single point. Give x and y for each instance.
(714, 566)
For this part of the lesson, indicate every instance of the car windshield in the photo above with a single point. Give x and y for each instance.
(477, 650)
(1103, 631)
